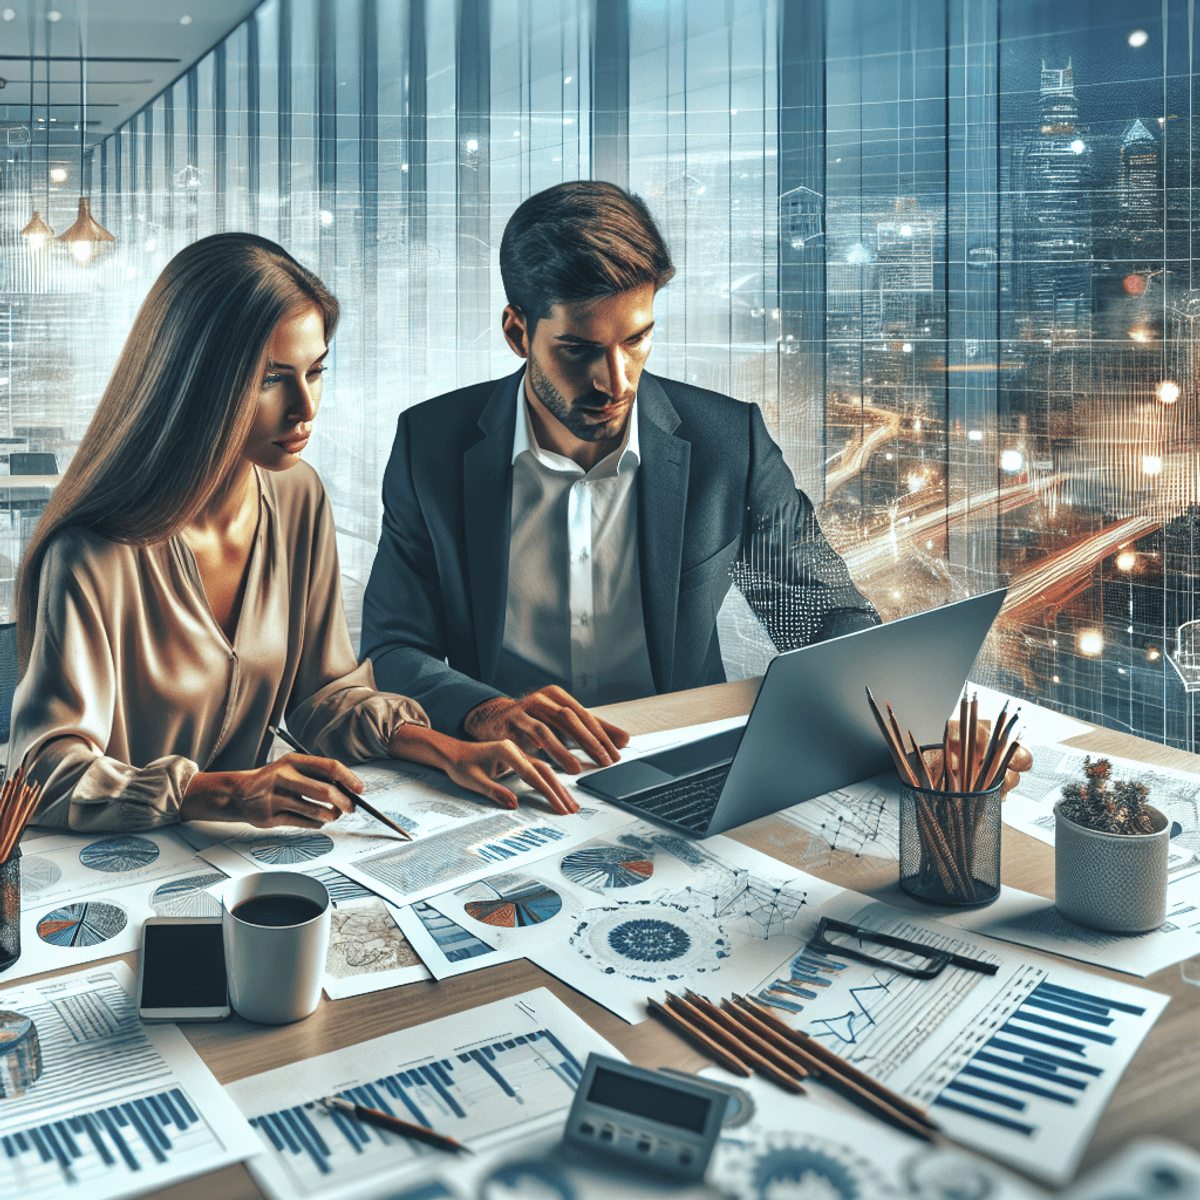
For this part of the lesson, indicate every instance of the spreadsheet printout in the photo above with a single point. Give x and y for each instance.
(483, 1077)
(120, 1108)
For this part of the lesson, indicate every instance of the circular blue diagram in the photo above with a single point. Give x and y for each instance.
(123, 853)
(38, 873)
(646, 939)
(598, 867)
(187, 897)
(300, 847)
(86, 924)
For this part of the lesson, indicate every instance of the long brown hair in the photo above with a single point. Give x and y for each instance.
(179, 406)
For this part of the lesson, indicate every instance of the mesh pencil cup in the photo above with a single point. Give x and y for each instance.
(950, 842)
(10, 909)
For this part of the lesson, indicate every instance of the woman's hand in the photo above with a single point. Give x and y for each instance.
(478, 765)
(297, 789)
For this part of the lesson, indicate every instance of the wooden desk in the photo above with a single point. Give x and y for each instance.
(1159, 1094)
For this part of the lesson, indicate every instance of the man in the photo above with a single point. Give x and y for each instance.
(565, 537)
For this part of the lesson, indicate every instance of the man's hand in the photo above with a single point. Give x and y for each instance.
(478, 765)
(538, 721)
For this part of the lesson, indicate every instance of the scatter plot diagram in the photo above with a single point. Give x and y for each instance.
(294, 848)
(511, 901)
(79, 925)
(116, 854)
(187, 897)
(604, 867)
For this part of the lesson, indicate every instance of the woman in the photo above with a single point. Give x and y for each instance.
(180, 593)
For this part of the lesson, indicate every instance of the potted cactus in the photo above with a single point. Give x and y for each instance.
(1110, 853)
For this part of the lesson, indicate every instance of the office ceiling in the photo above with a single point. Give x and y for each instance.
(135, 48)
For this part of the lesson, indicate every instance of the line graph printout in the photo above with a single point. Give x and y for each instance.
(458, 835)
(1019, 1064)
(484, 1077)
(120, 1108)
(642, 911)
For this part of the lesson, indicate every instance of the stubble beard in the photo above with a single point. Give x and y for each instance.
(560, 408)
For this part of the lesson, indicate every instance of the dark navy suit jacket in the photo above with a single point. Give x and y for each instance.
(715, 498)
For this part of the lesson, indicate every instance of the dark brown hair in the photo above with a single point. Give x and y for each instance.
(182, 397)
(579, 241)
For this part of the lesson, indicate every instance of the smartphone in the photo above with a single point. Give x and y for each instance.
(181, 970)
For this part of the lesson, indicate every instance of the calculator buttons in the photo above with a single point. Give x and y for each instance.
(585, 1128)
(606, 1134)
(645, 1147)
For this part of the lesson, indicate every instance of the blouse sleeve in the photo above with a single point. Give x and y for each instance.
(335, 709)
(63, 710)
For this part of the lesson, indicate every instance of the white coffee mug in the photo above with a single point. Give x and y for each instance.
(275, 971)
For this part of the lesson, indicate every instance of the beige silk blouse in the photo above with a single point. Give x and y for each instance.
(132, 687)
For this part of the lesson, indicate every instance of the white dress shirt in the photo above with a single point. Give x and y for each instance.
(574, 612)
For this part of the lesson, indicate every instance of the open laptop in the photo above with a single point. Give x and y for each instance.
(810, 730)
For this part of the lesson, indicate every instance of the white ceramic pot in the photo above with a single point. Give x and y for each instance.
(1111, 881)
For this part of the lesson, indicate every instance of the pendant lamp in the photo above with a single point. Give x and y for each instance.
(87, 236)
(37, 233)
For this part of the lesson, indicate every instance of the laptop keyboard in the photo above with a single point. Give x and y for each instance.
(688, 802)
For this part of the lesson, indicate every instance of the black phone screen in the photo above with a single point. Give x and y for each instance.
(183, 966)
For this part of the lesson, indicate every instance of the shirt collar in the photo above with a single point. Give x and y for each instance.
(628, 455)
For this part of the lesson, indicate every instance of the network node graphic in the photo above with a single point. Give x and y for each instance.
(122, 853)
(78, 925)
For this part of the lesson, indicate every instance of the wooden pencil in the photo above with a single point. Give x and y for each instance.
(734, 1044)
(698, 1038)
(897, 751)
(833, 1061)
(754, 1040)
(863, 1096)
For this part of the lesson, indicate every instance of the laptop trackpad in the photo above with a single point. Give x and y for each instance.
(626, 780)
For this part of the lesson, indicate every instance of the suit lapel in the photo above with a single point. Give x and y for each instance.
(662, 501)
(487, 516)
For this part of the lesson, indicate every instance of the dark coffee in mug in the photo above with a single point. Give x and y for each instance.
(277, 910)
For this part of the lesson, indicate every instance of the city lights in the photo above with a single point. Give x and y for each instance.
(1126, 560)
(1138, 38)
(975, 435)
(326, 217)
(1168, 391)
(1151, 464)
(1011, 461)
(58, 174)
(1091, 642)
(1139, 334)
(1152, 654)
(1077, 147)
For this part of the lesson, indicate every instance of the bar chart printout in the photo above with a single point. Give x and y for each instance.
(1019, 1065)
(481, 1077)
(120, 1108)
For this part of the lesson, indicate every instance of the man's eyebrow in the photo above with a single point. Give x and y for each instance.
(578, 341)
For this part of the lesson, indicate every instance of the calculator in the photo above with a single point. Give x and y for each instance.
(664, 1122)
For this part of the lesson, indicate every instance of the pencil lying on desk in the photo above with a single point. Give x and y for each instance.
(821, 1062)
(283, 735)
(737, 1046)
(382, 1120)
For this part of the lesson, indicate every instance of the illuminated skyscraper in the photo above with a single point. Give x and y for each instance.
(1052, 230)
(1139, 196)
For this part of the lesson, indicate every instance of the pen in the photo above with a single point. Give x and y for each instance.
(382, 1120)
(283, 735)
